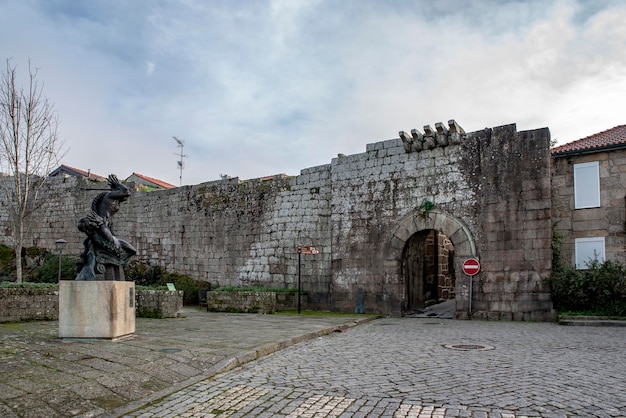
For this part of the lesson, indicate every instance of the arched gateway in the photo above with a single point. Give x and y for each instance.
(405, 215)
(398, 254)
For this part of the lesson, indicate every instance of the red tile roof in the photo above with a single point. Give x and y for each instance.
(158, 182)
(611, 138)
(64, 168)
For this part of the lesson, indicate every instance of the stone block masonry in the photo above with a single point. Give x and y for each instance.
(253, 302)
(490, 196)
(159, 303)
(42, 304)
(29, 304)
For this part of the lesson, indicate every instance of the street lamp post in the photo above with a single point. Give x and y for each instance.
(59, 244)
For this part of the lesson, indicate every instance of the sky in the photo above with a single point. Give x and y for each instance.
(261, 87)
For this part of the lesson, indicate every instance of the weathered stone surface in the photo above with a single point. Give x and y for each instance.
(158, 303)
(28, 304)
(96, 309)
(254, 302)
(36, 304)
(231, 232)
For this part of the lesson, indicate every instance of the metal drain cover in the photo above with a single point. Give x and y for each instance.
(469, 347)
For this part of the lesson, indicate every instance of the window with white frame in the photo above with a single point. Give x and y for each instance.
(587, 185)
(588, 250)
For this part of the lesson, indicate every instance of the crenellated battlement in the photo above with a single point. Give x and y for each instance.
(441, 136)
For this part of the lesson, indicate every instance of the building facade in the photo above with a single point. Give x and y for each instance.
(589, 198)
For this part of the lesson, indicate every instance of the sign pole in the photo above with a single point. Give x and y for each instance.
(299, 278)
(303, 249)
(471, 286)
(471, 267)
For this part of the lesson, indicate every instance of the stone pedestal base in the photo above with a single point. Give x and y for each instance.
(96, 309)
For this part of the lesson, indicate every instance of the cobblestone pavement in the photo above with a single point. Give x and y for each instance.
(408, 367)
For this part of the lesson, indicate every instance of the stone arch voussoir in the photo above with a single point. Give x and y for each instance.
(454, 228)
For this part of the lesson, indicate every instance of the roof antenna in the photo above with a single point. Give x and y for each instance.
(181, 145)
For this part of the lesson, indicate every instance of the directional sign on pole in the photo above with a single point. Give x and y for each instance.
(471, 266)
(306, 249)
(303, 249)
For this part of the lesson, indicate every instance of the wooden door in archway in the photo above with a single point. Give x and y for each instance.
(428, 269)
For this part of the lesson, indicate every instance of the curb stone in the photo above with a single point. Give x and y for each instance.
(227, 365)
(591, 321)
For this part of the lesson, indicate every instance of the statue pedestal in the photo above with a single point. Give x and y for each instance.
(96, 309)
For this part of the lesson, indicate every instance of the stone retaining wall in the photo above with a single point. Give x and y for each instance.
(159, 303)
(42, 304)
(29, 304)
(259, 302)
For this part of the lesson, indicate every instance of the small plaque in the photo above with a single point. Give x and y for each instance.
(170, 286)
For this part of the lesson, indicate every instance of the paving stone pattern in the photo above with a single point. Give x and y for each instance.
(42, 375)
(399, 367)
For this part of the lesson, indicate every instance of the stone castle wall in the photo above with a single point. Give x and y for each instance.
(511, 171)
(491, 196)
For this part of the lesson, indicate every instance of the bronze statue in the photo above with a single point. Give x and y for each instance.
(104, 255)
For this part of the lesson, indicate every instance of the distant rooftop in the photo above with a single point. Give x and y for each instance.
(77, 172)
(610, 139)
(149, 181)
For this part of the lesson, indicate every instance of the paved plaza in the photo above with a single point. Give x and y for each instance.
(43, 376)
(217, 365)
(410, 367)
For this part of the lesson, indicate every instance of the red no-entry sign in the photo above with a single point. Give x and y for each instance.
(471, 266)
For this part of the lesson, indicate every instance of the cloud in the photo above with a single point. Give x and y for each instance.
(262, 87)
(149, 68)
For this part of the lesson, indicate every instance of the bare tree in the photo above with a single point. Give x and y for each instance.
(29, 149)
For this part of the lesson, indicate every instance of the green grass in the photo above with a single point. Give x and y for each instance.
(151, 287)
(28, 285)
(322, 313)
(577, 313)
(589, 313)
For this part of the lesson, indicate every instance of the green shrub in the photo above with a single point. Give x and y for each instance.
(7, 263)
(39, 265)
(155, 276)
(48, 271)
(34, 252)
(144, 275)
(600, 289)
(189, 286)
